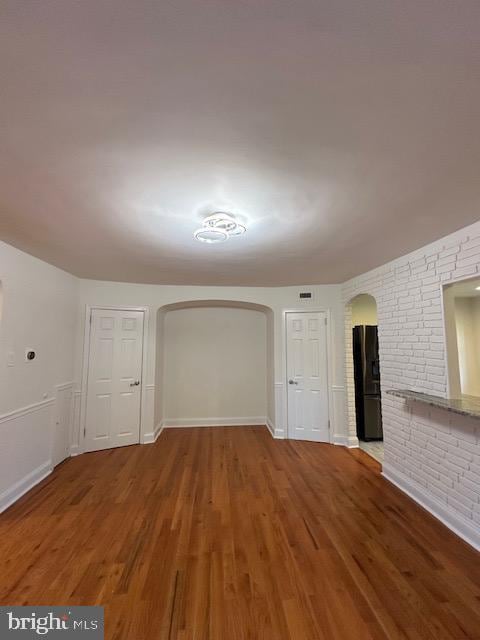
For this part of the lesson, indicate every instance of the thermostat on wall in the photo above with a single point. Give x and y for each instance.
(30, 355)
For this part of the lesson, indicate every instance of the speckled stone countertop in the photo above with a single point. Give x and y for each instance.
(466, 406)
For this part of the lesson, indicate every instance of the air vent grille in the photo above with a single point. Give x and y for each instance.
(305, 296)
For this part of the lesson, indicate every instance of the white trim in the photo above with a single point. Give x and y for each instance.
(76, 424)
(60, 388)
(19, 413)
(85, 365)
(448, 355)
(270, 427)
(64, 386)
(152, 437)
(330, 363)
(172, 423)
(345, 441)
(279, 400)
(468, 532)
(13, 493)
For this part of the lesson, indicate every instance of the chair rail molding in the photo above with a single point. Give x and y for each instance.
(23, 411)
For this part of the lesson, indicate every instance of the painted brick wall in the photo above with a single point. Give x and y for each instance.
(430, 453)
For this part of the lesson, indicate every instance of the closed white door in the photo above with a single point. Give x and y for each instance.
(114, 379)
(307, 382)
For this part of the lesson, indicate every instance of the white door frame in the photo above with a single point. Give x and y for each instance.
(330, 364)
(448, 356)
(86, 364)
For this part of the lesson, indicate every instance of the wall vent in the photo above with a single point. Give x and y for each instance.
(305, 296)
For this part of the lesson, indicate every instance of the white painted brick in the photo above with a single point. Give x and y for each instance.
(465, 510)
(450, 251)
(472, 486)
(469, 244)
(436, 450)
(466, 262)
(465, 271)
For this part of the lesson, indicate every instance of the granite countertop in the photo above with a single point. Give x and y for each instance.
(466, 406)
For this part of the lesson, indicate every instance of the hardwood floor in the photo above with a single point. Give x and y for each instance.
(226, 534)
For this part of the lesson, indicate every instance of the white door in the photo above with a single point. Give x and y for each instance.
(63, 419)
(114, 379)
(307, 384)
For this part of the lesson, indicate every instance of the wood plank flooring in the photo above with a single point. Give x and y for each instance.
(226, 534)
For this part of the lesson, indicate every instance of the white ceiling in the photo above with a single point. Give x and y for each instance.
(346, 133)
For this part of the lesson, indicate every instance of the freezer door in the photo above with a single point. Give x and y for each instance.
(372, 418)
(371, 362)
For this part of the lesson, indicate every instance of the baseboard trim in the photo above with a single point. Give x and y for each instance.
(270, 427)
(158, 430)
(345, 441)
(175, 423)
(455, 523)
(11, 495)
(150, 438)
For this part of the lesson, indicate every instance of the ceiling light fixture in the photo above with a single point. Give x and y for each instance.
(218, 227)
(477, 288)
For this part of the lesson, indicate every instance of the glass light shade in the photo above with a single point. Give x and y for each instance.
(210, 235)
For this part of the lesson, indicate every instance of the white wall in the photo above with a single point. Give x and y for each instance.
(364, 310)
(215, 366)
(278, 299)
(40, 313)
(430, 453)
(467, 321)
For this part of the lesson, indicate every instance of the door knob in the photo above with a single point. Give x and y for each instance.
(292, 382)
(135, 384)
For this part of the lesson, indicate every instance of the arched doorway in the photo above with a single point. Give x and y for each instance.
(214, 364)
(364, 375)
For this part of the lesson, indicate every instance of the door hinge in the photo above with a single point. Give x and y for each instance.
(84, 431)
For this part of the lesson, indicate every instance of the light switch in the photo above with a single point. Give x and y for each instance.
(10, 359)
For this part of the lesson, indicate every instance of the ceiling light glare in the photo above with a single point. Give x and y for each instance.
(210, 235)
(218, 227)
(477, 288)
(239, 230)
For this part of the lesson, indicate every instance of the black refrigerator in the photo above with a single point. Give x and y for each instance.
(366, 366)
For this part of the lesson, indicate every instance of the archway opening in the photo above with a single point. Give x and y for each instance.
(364, 375)
(214, 364)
